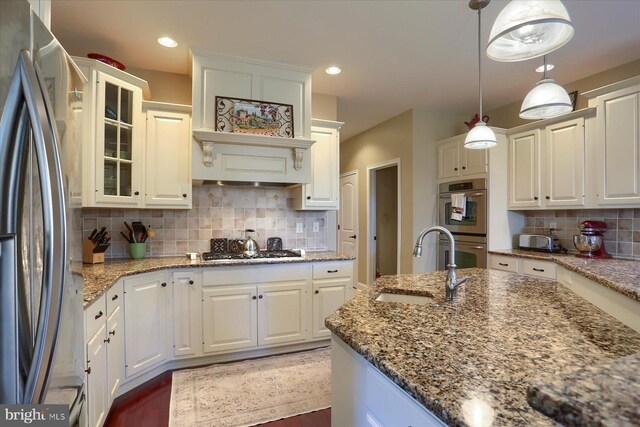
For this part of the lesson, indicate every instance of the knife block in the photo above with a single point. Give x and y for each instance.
(90, 257)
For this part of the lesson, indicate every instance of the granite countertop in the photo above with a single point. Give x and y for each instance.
(100, 277)
(470, 362)
(576, 398)
(620, 275)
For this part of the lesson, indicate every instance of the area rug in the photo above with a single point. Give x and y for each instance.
(253, 391)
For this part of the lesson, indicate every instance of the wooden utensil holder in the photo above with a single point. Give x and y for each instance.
(90, 257)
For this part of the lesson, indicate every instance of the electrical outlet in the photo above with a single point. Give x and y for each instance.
(316, 227)
(299, 227)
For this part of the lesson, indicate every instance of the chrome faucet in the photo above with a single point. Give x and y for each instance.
(452, 283)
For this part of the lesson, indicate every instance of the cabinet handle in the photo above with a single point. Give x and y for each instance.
(535, 197)
(260, 296)
(541, 270)
(191, 282)
(115, 297)
(112, 332)
(317, 292)
(308, 197)
(164, 285)
(108, 340)
(503, 264)
(254, 297)
(352, 237)
(184, 195)
(547, 197)
(137, 193)
(99, 315)
(332, 271)
(88, 370)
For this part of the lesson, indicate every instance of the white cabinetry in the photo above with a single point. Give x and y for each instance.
(524, 266)
(105, 349)
(283, 309)
(147, 327)
(114, 130)
(167, 155)
(187, 332)
(332, 284)
(618, 142)
(323, 190)
(363, 396)
(229, 318)
(547, 163)
(456, 161)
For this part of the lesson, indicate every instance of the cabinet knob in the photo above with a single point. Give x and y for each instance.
(164, 285)
(88, 370)
(184, 195)
(191, 282)
(99, 315)
(455, 169)
(112, 332)
(254, 297)
(308, 197)
(137, 193)
(108, 340)
(260, 296)
(115, 297)
(547, 197)
(535, 197)
(317, 292)
(464, 167)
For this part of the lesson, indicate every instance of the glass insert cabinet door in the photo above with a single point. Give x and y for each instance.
(119, 110)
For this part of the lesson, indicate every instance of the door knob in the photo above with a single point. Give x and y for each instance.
(352, 237)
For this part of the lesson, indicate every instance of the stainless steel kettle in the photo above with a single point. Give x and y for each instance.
(250, 246)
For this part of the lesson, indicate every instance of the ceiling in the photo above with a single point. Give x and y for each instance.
(395, 55)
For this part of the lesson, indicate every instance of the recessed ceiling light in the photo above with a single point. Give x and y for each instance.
(333, 70)
(540, 69)
(167, 42)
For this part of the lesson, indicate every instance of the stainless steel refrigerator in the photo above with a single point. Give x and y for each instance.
(41, 314)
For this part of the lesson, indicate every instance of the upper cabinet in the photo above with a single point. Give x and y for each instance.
(547, 163)
(456, 161)
(617, 150)
(167, 155)
(322, 193)
(221, 154)
(135, 155)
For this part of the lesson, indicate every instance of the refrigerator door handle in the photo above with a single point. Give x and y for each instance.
(54, 253)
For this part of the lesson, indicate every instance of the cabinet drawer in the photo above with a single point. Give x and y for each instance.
(114, 297)
(544, 269)
(331, 270)
(505, 263)
(95, 316)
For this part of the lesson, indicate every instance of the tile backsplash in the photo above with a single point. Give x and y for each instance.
(622, 239)
(217, 212)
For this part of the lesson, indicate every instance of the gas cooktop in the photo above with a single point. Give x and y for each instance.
(216, 256)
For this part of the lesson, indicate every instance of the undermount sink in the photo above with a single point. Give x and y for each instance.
(405, 299)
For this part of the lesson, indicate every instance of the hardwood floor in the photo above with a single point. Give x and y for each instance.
(148, 406)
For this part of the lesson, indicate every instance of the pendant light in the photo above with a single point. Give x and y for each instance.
(481, 136)
(527, 29)
(547, 99)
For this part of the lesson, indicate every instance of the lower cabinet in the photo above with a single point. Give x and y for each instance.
(524, 266)
(115, 356)
(282, 312)
(147, 317)
(97, 387)
(331, 284)
(186, 296)
(229, 318)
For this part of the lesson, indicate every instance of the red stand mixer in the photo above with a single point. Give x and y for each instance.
(590, 241)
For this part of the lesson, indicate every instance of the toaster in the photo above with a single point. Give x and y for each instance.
(539, 242)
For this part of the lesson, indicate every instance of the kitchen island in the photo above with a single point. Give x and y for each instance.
(471, 362)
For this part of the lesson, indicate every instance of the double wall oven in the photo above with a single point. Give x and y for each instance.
(470, 233)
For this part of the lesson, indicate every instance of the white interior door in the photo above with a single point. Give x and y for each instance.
(348, 217)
